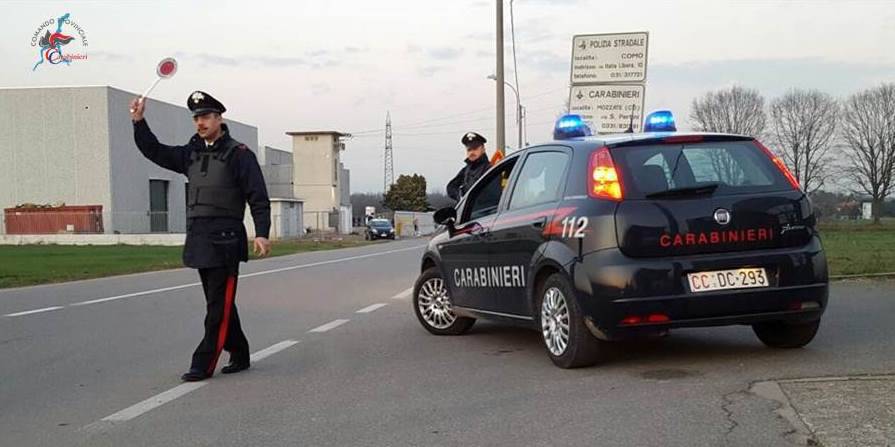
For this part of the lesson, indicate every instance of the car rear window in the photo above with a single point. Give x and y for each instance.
(737, 167)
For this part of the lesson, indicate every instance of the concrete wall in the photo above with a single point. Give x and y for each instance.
(54, 147)
(404, 223)
(169, 239)
(285, 220)
(274, 156)
(278, 179)
(345, 186)
(278, 173)
(345, 219)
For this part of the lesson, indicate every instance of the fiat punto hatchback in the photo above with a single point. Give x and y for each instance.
(589, 239)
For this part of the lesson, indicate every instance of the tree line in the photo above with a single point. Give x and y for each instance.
(827, 142)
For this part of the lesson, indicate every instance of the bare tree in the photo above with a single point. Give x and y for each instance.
(735, 110)
(868, 130)
(804, 126)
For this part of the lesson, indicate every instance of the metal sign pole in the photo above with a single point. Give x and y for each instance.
(500, 138)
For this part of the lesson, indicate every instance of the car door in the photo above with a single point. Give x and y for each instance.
(465, 255)
(518, 233)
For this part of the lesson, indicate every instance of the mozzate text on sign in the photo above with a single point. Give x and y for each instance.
(608, 108)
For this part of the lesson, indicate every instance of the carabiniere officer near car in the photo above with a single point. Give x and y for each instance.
(223, 175)
(476, 164)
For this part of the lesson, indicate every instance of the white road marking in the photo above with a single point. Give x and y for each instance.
(329, 326)
(333, 261)
(131, 295)
(185, 388)
(271, 350)
(184, 286)
(154, 402)
(35, 311)
(371, 308)
(404, 294)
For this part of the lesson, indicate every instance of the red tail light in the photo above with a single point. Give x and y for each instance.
(632, 319)
(780, 165)
(603, 181)
(657, 318)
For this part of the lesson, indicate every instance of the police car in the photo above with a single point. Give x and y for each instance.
(379, 229)
(590, 239)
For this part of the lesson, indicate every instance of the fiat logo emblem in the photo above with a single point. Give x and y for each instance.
(722, 216)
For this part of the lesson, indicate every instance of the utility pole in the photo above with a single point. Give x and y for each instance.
(389, 162)
(501, 124)
(518, 109)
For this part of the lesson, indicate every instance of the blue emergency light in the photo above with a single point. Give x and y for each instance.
(571, 126)
(660, 121)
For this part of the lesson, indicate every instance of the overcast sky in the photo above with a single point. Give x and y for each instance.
(341, 64)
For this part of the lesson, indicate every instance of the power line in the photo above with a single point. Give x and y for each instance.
(485, 129)
(516, 75)
(457, 130)
(420, 124)
(389, 162)
(452, 123)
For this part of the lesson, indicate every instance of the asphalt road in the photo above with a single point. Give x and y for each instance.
(97, 363)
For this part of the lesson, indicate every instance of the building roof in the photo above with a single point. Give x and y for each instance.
(318, 132)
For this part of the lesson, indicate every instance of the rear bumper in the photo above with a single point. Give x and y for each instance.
(612, 287)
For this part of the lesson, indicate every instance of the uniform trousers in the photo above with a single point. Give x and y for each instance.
(223, 330)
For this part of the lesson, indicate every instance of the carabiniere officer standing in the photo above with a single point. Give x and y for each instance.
(223, 175)
(476, 165)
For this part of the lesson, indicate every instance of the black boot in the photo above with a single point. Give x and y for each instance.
(194, 375)
(235, 367)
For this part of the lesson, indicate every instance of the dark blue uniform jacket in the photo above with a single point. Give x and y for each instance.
(213, 241)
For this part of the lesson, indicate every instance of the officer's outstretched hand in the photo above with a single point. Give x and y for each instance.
(137, 107)
(262, 247)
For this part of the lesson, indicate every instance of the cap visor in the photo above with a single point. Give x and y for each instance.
(200, 112)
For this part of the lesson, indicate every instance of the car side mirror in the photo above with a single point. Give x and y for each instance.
(445, 216)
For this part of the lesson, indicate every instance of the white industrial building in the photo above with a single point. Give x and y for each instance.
(75, 145)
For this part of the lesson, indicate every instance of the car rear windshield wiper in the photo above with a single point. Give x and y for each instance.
(689, 191)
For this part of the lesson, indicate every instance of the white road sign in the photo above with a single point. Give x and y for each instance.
(599, 58)
(608, 108)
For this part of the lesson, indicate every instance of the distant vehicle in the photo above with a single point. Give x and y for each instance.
(379, 229)
(589, 239)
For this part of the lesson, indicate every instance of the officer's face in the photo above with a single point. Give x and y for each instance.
(475, 153)
(208, 126)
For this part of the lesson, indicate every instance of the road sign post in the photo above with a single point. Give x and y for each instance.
(609, 108)
(608, 80)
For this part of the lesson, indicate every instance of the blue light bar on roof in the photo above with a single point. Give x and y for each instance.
(571, 126)
(660, 121)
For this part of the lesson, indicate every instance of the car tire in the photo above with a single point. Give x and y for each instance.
(432, 306)
(568, 342)
(782, 334)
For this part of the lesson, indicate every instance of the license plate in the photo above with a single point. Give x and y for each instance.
(727, 279)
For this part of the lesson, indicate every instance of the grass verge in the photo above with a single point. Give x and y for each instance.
(852, 248)
(859, 249)
(40, 264)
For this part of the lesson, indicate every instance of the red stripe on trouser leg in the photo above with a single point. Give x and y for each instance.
(225, 322)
